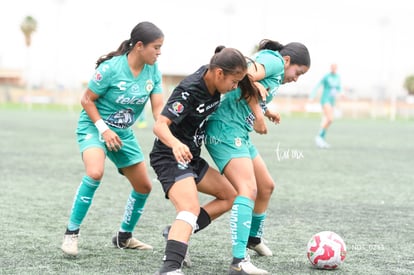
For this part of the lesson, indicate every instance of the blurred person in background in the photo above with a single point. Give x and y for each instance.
(331, 87)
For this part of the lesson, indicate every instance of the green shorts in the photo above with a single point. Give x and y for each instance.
(129, 154)
(225, 142)
(328, 100)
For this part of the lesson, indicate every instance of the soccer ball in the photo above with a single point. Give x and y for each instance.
(326, 250)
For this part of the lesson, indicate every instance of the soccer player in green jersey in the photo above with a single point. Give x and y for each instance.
(229, 144)
(123, 82)
(331, 84)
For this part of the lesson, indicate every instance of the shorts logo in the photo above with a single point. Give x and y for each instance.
(237, 142)
(88, 136)
(182, 165)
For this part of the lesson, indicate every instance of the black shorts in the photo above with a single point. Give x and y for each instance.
(169, 171)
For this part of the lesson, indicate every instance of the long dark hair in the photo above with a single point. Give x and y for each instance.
(232, 61)
(298, 52)
(146, 32)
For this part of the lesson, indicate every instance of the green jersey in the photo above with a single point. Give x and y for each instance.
(122, 97)
(235, 112)
(331, 84)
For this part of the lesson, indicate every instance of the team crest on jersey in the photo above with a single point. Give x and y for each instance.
(149, 85)
(237, 142)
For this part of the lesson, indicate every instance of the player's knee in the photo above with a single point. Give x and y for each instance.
(270, 187)
(95, 174)
(142, 187)
(189, 218)
(227, 197)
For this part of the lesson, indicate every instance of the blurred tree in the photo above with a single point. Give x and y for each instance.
(409, 84)
(28, 27)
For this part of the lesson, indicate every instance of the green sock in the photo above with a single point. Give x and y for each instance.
(240, 222)
(322, 133)
(257, 225)
(133, 211)
(82, 201)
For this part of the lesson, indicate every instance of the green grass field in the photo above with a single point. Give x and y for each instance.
(361, 188)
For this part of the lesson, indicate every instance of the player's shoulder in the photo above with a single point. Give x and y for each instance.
(194, 81)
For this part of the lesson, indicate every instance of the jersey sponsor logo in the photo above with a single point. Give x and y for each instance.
(122, 99)
(201, 109)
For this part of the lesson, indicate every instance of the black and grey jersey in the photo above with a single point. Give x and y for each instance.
(188, 108)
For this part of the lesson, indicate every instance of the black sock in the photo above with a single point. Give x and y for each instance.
(123, 236)
(236, 260)
(69, 232)
(174, 256)
(254, 240)
(203, 220)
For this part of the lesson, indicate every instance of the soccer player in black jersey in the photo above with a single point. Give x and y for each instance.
(175, 157)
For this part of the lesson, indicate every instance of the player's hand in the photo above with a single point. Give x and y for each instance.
(273, 117)
(182, 153)
(112, 140)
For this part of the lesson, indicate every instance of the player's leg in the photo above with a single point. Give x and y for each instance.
(94, 160)
(141, 188)
(216, 185)
(328, 112)
(184, 196)
(265, 187)
(240, 172)
(327, 119)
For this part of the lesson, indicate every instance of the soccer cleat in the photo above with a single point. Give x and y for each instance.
(261, 248)
(125, 240)
(321, 143)
(70, 244)
(245, 267)
(174, 272)
(187, 260)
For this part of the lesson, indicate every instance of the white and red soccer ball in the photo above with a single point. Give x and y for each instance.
(326, 250)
